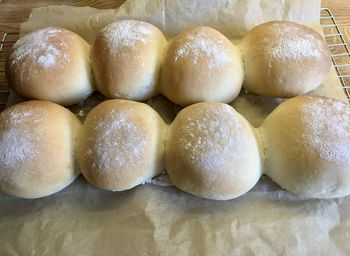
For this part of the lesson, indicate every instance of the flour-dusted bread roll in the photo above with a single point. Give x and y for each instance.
(284, 59)
(51, 64)
(121, 145)
(201, 64)
(37, 143)
(126, 58)
(307, 145)
(212, 152)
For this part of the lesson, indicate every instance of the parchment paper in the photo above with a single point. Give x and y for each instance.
(161, 220)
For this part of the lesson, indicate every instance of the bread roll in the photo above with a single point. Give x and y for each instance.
(121, 145)
(37, 142)
(307, 145)
(126, 58)
(201, 65)
(212, 152)
(284, 59)
(51, 64)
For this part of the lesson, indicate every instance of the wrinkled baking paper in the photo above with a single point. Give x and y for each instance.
(160, 219)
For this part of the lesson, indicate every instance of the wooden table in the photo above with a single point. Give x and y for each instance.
(14, 12)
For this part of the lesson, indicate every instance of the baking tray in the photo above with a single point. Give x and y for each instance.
(334, 37)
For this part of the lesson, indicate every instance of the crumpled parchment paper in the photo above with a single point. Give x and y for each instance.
(161, 220)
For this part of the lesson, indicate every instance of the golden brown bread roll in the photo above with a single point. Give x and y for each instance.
(307, 146)
(121, 145)
(284, 59)
(212, 152)
(51, 64)
(281, 59)
(126, 58)
(37, 143)
(201, 64)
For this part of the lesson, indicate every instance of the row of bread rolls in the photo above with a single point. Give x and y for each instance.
(132, 60)
(209, 150)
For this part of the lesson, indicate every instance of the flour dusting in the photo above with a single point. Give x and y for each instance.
(126, 33)
(16, 138)
(210, 137)
(198, 44)
(118, 141)
(44, 48)
(16, 148)
(327, 129)
(291, 42)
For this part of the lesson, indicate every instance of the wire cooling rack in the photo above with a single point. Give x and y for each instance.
(338, 48)
(334, 37)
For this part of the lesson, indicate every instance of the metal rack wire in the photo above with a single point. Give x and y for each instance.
(334, 37)
(338, 47)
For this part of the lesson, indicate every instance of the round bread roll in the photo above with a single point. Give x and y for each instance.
(51, 64)
(201, 65)
(121, 145)
(37, 143)
(212, 152)
(284, 59)
(126, 58)
(307, 145)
